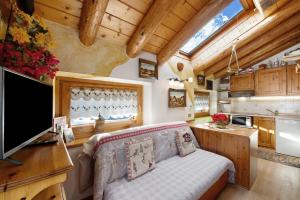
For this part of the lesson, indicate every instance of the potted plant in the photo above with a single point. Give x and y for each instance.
(221, 120)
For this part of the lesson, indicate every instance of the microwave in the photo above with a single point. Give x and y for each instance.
(241, 120)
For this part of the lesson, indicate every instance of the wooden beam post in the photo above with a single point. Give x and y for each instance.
(91, 16)
(151, 21)
(269, 37)
(287, 40)
(267, 24)
(210, 9)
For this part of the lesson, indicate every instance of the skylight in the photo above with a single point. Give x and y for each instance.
(213, 26)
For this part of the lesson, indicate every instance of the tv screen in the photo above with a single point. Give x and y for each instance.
(26, 111)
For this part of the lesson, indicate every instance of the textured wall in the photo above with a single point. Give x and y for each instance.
(98, 59)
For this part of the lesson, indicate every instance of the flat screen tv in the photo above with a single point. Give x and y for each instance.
(26, 107)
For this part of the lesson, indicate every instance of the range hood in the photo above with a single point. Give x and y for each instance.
(248, 93)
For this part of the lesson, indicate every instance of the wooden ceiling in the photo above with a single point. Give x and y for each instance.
(128, 22)
(259, 37)
(121, 18)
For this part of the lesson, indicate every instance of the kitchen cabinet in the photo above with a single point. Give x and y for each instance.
(243, 82)
(266, 131)
(293, 81)
(270, 82)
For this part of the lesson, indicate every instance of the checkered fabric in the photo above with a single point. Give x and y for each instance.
(176, 178)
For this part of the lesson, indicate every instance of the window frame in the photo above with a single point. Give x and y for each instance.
(227, 25)
(62, 103)
(202, 114)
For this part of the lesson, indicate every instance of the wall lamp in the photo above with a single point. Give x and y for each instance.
(177, 83)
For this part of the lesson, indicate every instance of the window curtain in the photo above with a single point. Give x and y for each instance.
(112, 104)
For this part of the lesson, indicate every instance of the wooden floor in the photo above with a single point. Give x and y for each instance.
(274, 181)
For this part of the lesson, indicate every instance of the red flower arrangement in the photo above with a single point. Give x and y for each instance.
(25, 48)
(220, 119)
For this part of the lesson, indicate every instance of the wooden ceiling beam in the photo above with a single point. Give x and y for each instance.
(290, 38)
(254, 45)
(208, 11)
(222, 74)
(91, 16)
(247, 4)
(151, 21)
(268, 23)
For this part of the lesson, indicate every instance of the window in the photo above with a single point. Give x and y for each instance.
(214, 25)
(201, 104)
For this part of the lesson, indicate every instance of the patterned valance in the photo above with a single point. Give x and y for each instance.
(112, 104)
(201, 103)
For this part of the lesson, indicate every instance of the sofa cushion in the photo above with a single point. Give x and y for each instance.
(140, 157)
(184, 143)
(176, 178)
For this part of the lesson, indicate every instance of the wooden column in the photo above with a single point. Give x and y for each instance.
(151, 21)
(267, 24)
(209, 10)
(269, 37)
(91, 16)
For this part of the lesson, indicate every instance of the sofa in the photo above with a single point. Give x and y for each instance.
(192, 177)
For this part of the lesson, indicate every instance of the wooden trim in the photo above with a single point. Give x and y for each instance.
(62, 103)
(216, 188)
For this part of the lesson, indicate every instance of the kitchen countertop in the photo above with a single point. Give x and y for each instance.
(281, 115)
(231, 129)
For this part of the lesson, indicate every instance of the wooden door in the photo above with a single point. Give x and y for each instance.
(293, 81)
(270, 82)
(242, 82)
(266, 131)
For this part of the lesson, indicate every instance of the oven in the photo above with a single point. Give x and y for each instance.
(241, 120)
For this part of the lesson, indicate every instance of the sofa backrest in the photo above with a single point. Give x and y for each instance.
(109, 149)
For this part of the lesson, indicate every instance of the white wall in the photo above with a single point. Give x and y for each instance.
(159, 110)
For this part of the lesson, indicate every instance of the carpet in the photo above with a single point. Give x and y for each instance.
(279, 158)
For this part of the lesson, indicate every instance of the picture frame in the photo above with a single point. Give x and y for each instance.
(59, 123)
(209, 85)
(148, 69)
(68, 135)
(201, 80)
(176, 98)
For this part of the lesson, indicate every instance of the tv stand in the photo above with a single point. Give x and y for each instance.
(13, 161)
(44, 168)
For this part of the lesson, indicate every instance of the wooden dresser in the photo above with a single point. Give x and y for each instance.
(40, 176)
(237, 144)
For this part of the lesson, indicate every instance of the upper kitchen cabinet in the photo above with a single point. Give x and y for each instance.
(243, 82)
(293, 81)
(270, 82)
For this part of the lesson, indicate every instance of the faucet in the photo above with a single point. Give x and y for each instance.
(276, 112)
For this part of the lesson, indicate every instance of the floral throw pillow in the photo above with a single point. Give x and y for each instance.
(140, 157)
(184, 143)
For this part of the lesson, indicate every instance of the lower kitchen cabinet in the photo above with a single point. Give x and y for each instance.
(266, 131)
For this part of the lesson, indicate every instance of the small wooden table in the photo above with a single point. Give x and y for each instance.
(43, 170)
